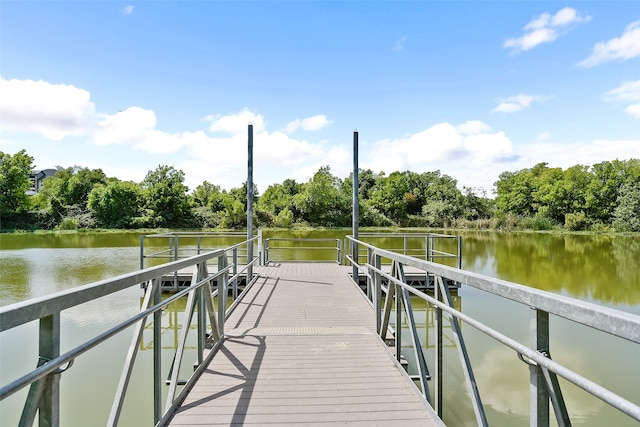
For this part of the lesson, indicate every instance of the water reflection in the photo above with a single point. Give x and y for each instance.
(602, 269)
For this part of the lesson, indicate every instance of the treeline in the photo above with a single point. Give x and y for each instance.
(605, 196)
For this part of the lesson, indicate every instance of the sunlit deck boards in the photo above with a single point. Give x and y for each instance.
(301, 349)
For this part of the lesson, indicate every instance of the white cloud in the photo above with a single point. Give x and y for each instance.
(515, 103)
(509, 377)
(625, 47)
(633, 110)
(128, 9)
(545, 28)
(312, 123)
(627, 92)
(475, 155)
(237, 122)
(399, 45)
(125, 127)
(53, 110)
(471, 141)
(544, 136)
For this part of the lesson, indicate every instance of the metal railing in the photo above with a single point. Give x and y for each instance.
(543, 371)
(427, 246)
(178, 245)
(44, 381)
(286, 249)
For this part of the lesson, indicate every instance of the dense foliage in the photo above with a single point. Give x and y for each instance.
(14, 183)
(605, 196)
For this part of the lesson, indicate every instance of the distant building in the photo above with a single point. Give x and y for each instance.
(36, 177)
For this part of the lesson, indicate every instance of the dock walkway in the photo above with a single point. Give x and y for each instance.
(301, 348)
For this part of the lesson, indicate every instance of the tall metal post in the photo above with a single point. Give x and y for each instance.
(356, 202)
(49, 414)
(250, 204)
(538, 393)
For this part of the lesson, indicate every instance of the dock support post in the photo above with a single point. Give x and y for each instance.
(250, 205)
(356, 213)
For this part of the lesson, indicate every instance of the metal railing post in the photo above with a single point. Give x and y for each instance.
(370, 281)
(202, 315)
(157, 354)
(538, 393)
(141, 252)
(259, 246)
(222, 294)
(235, 272)
(460, 252)
(377, 302)
(439, 365)
(49, 407)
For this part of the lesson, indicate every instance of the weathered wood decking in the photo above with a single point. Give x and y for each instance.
(301, 349)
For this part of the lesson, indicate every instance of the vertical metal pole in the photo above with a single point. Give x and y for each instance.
(405, 242)
(157, 354)
(49, 408)
(377, 302)
(235, 271)
(202, 315)
(260, 246)
(141, 252)
(356, 202)
(222, 295)
(538, 393)
(426, 251)
(439, 381)
(460, 252)
(250, 204)
(370, 280)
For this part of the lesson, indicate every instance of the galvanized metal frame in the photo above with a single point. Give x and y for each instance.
(44, 395)
(544, 371)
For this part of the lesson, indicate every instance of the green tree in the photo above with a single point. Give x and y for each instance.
(476, 206)
(515, 191)
(278, 197)
(14, 183)
(389, 196)
(321, 201)
(166, 197)
(116, 204)
(209, 195)
(627, 213)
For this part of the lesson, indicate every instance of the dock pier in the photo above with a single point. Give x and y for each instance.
(302, 348)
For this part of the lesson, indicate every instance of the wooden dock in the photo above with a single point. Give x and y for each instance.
(301, 349)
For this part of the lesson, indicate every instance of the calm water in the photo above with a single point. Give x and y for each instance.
(601, 269)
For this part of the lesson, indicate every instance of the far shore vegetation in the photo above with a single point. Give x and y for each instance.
(601, 198)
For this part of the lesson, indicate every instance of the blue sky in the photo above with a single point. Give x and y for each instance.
(469, 88)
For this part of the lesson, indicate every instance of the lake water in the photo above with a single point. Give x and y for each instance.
(600, 269)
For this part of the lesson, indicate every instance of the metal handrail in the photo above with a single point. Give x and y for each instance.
(268, 248)
(428, 253)
(44, 394)
(543, 369)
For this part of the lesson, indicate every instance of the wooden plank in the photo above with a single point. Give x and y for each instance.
(300, 349)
